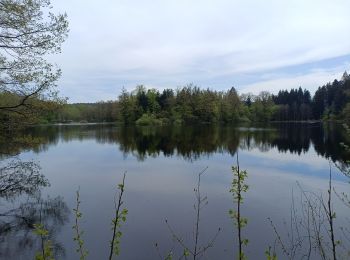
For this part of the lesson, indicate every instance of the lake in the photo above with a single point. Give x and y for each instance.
(284, 162)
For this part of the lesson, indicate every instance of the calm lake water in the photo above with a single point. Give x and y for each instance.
(162, 166)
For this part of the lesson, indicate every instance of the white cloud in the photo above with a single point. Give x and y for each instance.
(169, 42)
(310, 81)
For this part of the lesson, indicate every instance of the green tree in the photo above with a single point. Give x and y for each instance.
(153, 97)
(231, 106)
(29, 32)
(263, 107)
(346, 113)
(127, 107)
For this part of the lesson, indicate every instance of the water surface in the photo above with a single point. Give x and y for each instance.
(162, 166)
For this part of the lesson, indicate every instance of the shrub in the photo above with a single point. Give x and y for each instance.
(148, 119)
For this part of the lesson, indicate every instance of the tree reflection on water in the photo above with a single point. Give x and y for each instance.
(22, 206)
(193, 142)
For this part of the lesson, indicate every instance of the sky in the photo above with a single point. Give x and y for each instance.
(252, 45)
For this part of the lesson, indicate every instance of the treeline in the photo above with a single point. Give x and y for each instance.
(190, 104)
(30, 111)
(86, 112)
(330, 101)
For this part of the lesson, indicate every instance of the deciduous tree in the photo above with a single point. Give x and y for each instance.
(29, 32)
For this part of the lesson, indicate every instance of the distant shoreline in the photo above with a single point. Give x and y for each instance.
(77, 123)
(199, 123)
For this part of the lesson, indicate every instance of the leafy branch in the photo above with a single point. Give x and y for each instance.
(79, 233)
(120, 216)
(238, 187)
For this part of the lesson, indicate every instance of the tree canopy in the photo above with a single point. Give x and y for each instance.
(191, 104)
(29, 32)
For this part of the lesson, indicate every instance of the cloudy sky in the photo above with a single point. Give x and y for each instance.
(252, 45)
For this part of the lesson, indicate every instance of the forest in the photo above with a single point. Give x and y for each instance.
(191, 104)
